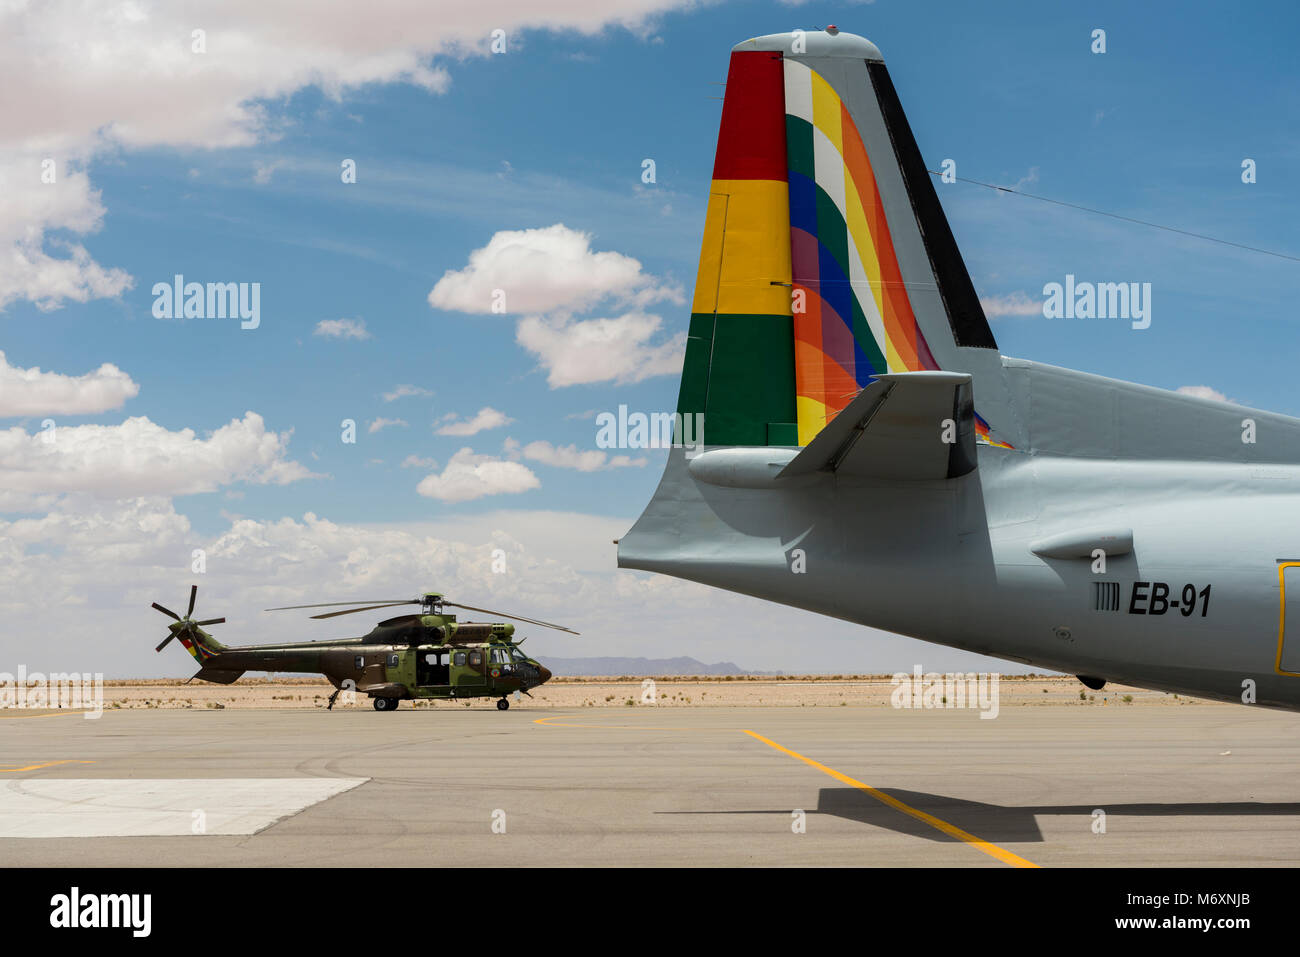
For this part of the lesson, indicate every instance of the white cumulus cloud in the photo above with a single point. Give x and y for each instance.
(571, 457)
(1012, 304)
(486, 418)
(141, 458)
(544, 270)
(80, 79)
(33, 266)
(406, 391)
(26, 392)
(622, 350)
(342, 329)
(1203, 392)
(469, 476)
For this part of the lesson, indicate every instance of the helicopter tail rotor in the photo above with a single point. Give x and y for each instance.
(197, 642)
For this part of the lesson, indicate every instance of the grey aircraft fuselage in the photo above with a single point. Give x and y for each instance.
(1195, 609)
(1167, 568)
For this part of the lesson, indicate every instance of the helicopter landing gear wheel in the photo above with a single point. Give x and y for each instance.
(386, 704)
(503, 704)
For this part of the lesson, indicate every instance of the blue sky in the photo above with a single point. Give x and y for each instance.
(555, 131)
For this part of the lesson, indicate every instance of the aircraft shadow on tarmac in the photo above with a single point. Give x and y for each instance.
(997, 823)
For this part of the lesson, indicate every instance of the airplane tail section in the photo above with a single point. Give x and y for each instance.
(850, 440)
(834, 327)
(827, 260)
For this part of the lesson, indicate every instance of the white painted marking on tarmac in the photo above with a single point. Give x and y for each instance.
(160, 807)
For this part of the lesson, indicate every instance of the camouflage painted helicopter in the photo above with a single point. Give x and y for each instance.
(428, 654)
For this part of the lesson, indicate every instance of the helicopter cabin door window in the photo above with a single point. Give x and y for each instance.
(432, 668)
(467, 668)
(473, 672)
(361, 662)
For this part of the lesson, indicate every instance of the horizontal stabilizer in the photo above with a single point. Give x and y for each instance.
(903, 425)
(218, 676)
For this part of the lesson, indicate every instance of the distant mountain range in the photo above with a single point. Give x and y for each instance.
(642, 667)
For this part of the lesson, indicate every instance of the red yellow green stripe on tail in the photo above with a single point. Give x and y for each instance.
(198, 648)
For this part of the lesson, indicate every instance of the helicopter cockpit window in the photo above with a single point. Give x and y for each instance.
(500, 656)
(516, 654)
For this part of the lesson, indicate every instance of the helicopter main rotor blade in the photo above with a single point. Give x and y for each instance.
(167, 611)
(164, 642)
(210, 621)
(352, 611)
(374, 602)
(194, 591)
(531, 621)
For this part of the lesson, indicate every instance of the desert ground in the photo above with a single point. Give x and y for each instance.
(627, 691)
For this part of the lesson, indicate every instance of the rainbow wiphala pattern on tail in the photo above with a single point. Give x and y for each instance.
(856, 320)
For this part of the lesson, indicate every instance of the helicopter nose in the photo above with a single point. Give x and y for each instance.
(544, 673)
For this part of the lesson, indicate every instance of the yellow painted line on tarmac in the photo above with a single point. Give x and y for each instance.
(993, 850)
(13, 769)
(43, 714)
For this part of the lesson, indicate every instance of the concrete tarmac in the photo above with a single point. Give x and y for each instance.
(1192, 785)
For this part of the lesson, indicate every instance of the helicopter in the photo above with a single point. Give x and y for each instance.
(427, 654)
